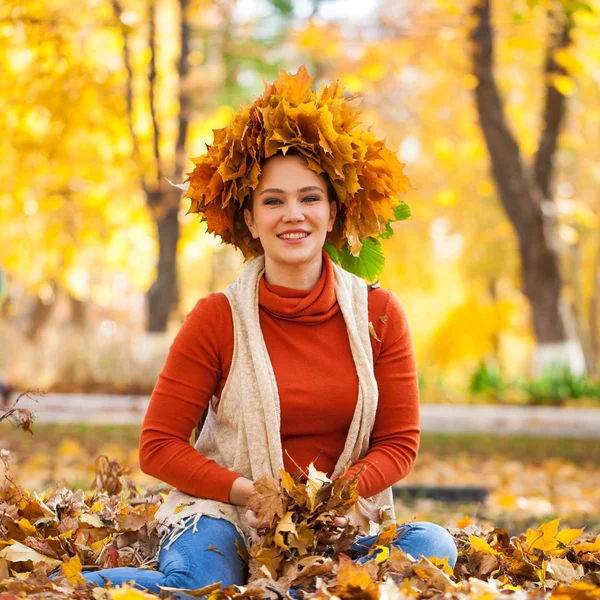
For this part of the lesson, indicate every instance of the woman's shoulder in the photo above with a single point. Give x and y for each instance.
(384, 299)
(212, 311)
(386, 313)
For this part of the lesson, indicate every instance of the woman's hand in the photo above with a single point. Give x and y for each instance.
(241, 490)
(257, 529)
(325, 540)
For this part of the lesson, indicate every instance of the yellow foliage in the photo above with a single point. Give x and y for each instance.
(126, 592)
(568, 60)
(469, 331)
(548, 539)
(69, 447)
(446, 198)
(481, 545)
(564, 84)
(464, 522)
(321, 39)
(72, 570)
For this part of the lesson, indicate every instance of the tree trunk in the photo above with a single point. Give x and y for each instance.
(78, 313)
(41, 313)
(522, 196)
(594, 311)
(163, 293)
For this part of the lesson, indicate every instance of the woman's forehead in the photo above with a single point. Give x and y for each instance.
(288, 172)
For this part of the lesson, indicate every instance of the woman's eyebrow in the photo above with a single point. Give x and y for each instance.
(304, 189)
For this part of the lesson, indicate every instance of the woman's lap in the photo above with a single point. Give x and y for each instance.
(416, 539)
(209, 555)
(198, 557)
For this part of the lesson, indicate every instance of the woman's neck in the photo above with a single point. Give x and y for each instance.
(302, 276)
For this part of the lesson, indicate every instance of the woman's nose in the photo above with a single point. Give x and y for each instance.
(293, 212)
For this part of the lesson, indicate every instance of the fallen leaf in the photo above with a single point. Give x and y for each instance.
(72, 570)
(17, 552)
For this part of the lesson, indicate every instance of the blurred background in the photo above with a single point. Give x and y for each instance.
(104, 101)
(494, 108)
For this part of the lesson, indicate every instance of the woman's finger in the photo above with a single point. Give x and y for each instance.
(254, 523)
(341, 522)
(252, 519)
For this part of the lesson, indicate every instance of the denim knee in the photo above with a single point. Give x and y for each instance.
(204, 555)
(427, 539)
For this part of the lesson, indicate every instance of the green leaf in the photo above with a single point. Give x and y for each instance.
(388, 233)
(367, 265)
(330, 249)
(402, 212)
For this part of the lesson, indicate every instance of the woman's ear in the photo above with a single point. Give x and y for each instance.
(332, 214)
(250, 223)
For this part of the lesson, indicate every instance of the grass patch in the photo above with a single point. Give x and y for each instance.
(516, 447)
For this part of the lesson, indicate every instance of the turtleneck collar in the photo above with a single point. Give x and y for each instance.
(302, 306)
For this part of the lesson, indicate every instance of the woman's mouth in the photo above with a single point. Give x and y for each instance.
(293, 236)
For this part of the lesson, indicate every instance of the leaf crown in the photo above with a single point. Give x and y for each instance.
(323, 127)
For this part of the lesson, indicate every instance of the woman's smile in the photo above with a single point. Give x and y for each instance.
(293, 237)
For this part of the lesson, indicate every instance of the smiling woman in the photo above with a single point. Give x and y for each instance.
(298, 361)
(291, 214)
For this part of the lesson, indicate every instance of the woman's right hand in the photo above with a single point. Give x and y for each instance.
(241, 490)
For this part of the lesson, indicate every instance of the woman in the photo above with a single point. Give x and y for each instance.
(296, 362)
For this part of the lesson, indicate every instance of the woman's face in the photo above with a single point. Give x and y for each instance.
(291, 213)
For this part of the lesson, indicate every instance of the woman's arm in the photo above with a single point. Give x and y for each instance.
(395, 437)
(186, 384)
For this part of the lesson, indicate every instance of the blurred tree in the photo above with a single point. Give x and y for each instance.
(527, 192)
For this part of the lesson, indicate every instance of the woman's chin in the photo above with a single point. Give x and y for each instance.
(294, 254)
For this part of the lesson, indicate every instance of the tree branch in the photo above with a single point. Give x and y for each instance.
(152, 93)
(118, 10)
(554, 110)
(507, 165)
(183, 69)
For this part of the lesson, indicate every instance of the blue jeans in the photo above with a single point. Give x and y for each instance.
(189, 563)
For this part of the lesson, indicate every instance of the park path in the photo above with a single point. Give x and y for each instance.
(569, 422)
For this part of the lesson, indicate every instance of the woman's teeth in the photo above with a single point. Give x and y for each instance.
(292, 236)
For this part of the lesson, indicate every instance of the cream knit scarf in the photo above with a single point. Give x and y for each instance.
(244, 434)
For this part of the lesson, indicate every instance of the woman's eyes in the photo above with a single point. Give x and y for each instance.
(274, 201)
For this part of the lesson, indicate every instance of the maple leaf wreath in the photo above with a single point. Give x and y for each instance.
(321, 126)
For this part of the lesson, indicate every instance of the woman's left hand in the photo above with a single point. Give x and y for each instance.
(257, 529)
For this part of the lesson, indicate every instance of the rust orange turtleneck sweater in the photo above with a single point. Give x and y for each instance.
(306, 338)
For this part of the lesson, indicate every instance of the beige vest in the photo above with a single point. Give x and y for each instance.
(244, 435)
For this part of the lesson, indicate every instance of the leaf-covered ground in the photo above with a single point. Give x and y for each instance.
(511, 545)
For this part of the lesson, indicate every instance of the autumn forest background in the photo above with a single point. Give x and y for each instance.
(494, 108)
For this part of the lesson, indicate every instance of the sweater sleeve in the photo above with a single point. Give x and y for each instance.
(185, 386)
(395, 437)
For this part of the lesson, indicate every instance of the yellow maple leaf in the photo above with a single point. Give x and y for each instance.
(443, 563)
(464, 522)
(126, 592)
(285, 525)
(26, 527)
(548, 539)
(481, 545)
(72, 570)
(593, 546)
(383, 555)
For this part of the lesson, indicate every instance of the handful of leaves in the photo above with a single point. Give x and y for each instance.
(298, 514)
